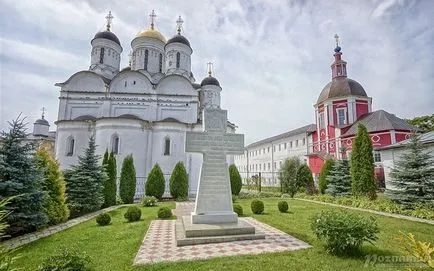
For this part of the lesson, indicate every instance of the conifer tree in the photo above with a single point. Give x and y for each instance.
(105, 159)
(155, 183)
(339, 179)
(179, 182)
(305, 179)
(127, 185)
(54, 187)
(288, 175)
(413, 176)
(84, 183)
(325, 171)
(20, 177)
(110, 183)
(235, 178)
(362, 165)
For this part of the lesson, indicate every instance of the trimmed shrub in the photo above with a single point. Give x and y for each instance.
(325, 171)
(257, 206)
(103, 219)
(149, 201)
(288, 176)
(66, 259)
(164, 212)
(109, 190)
(127, 185)
(305, 179)
(235, 179)
(283, 206)
(179, 182)
(133, 214)
(344, 232)
(155, 183)
(238, 209)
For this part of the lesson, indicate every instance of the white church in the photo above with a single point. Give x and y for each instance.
(144, 109)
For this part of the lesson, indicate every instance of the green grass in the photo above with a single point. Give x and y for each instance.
(114, 247)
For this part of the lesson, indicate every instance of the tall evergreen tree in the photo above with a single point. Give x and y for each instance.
(362, 165)
(54, 187)
(155, 183)
(235, 178)
(339, 179)
(413, 176)
(127, 186)
(84, 183)
(325, 171)
(20, 177)
(288, 175)
(110, 183)
(305, 179)
(179, 182)
(105, 159)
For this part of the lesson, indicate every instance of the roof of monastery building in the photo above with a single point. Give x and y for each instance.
(305, 129)
(341, 87)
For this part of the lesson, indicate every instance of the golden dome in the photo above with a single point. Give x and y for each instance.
(152, 33)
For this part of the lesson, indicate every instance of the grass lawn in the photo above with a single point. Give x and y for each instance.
(114, 247)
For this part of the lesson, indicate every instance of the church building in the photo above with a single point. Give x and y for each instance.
(144, 109)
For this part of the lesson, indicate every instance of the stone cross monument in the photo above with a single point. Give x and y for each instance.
(214, 197)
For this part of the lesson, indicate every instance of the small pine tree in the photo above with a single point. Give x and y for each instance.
(413, 176)
(362, 165)
(110, 183)
(127, 186)
(155, 183)
(235, 179)
(305, 179)
(339, 179)
(20, 177)
(288, 175)
(179, 182)
(84, 183)
(325, 171)
(54, 187)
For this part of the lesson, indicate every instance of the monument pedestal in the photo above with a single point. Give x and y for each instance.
(214, 218)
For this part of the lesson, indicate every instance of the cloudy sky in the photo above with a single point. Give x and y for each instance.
(272, 58)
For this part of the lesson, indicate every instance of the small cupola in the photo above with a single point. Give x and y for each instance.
(41, 126)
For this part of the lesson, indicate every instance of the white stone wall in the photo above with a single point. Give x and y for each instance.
(171, 50)
(155, 48)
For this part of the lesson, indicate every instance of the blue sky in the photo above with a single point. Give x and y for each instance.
(272, 58)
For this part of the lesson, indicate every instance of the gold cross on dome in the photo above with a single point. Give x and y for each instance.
(109, 19)
(179, 24)
(337, 40)
(43, 112)
(210, 68)
(152, 17)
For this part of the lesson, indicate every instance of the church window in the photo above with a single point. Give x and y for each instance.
(296, 143)
(268, 150)
(377, 157)
(280, 163)
(125, 83)
(285, 145)
(260, 166)
(134, 82)
(304, 141)
(101, 56)
(290, 144)
(280, 145)
(167, 147)
(178, 59)
(160, 63)
(70, 146)
(321, 120)
(342, 116)
(115, 144)
(269, 166)
(146, 60)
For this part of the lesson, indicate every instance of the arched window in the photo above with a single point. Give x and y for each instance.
(178, 59)
(101, 56)
(70, 144)
(160, 64)
(115, 144)
(146, 60)
(167, 146)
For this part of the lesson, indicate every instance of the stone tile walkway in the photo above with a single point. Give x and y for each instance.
(31, 237)
(159, 244)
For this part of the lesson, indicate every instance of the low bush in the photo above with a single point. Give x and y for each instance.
(149, 201)
(283, 206)
(133, 214)
(119, 200)
(66, 259)
(422, 251)
(238, 209)
(234, 198)
(257, 206)
(344, 232)
(103, 219)
(164, 212)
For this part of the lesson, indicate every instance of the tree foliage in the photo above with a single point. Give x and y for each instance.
(325, 171)
(179, 182)
(305, 179)
(235, 179)
(413, 176)
(155, 183)
(109, 190)
(54, 187)
(20, 177)
(127, 186)
(425, 123)
(339, 179)
(288, 176)
(6, 255)
(362, 165)
(84, 183)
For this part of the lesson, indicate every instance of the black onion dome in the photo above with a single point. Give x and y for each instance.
(179, 38)
(107, 35)
(210, 81)
(42, 122)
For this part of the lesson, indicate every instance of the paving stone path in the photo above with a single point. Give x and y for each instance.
(159, 244)
(31, 237)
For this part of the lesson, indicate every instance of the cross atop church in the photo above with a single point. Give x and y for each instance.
(337, 40)
(152, 17)
(210, 68)
(179, 23)
(43, 112)
(109, 19)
